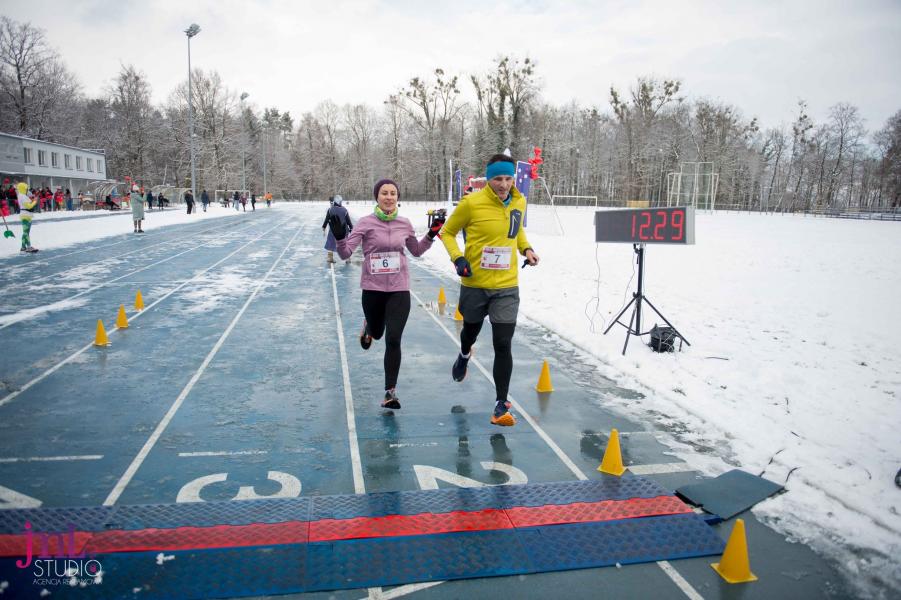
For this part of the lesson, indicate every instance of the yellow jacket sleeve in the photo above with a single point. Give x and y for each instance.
(457, 221)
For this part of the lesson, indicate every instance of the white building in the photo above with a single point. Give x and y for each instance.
(43, 164)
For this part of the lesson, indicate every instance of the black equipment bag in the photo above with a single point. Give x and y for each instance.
(663, 339)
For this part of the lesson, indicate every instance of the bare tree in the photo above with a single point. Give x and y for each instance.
(38, 94)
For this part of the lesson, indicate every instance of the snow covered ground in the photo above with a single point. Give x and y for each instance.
(792, 371)
(62, 228)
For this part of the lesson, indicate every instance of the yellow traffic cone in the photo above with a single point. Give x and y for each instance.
(458, 316)
(544, 380)
(442, 299)
(121, 319)
(612, 464)
(139, 301)
(100, 338)
(734, 565)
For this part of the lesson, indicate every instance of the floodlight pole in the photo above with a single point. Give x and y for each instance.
(243, 145)
(191, 31)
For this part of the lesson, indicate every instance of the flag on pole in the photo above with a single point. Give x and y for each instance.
(523, 178)
(458, 179)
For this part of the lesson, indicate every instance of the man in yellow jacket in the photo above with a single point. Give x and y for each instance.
(489, 271)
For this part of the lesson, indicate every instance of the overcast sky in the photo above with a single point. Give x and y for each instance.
(760, 55)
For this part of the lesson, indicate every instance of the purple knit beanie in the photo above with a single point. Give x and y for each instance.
(380, 183)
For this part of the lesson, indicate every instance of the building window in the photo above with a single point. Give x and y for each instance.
(91, 165)
(100, 166)
(78, 166)
(67, 158)
(54, 159)
(28, 159)
(42, 158)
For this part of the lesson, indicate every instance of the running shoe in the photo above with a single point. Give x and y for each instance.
(365, 337)
(502, 415)
(391, 400)
(459, 370)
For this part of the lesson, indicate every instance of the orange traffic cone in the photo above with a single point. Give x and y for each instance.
(734, 565)
(121, 319)
(612, 464)
(100, 338)
(544, 380)
(458, 316)
(139, 301)
(442, 299)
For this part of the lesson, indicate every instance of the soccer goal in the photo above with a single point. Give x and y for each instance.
(694, 185)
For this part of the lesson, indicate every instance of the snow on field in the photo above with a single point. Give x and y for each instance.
(792, 370)
(61, 228)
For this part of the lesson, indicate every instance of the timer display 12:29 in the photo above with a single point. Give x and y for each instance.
(666, 225)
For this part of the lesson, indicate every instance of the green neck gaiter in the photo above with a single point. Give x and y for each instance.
(382, 216)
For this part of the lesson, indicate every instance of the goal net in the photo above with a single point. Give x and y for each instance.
(694, 185)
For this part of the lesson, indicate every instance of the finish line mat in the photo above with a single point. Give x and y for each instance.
(279, 546)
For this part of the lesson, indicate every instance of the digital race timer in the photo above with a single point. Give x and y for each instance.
(675, 225)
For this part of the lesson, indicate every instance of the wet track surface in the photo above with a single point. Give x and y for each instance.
(233, 385)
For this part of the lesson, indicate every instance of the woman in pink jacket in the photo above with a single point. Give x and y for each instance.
(385, 277)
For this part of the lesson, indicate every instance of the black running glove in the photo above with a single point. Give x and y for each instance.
(463, 268)
(437, 224)
(338, 228)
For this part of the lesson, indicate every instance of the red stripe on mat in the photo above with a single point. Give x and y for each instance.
(298, 532)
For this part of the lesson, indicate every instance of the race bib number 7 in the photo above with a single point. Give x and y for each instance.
(383, 263)
(496, 258)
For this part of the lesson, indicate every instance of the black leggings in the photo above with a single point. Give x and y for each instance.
(502, 337)
(386, 314)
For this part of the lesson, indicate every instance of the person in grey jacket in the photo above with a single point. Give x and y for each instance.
(137, 207)
(341, 215)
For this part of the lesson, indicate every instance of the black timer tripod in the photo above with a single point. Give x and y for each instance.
(637, 298)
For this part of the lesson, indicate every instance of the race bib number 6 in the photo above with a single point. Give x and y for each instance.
(383, 263)
(496, 258)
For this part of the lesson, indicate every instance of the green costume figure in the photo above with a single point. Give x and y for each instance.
(26, 206)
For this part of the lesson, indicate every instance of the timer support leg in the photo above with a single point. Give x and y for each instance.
(637, 298)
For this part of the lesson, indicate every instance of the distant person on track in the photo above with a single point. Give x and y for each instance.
(204, 199)
(149, 200)
(27, 207)
(385, 277)
(68, 200)
(137, 208)
(335, 211)
(489, 271)
(189, 201)
(268, 197)
(236, 199)
(253, 202)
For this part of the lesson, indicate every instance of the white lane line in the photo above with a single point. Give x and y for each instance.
(676, 467)
(541, 432)
(224, 453)
(35, 312)
(374, 593)
(667, 568)
(50, 458)
(12, 395)
(141, 249)
(406, 589)
(680, 581)
(357, 465)
(161, 427)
